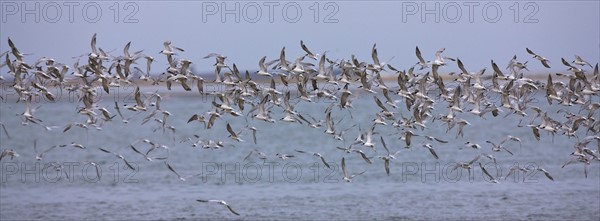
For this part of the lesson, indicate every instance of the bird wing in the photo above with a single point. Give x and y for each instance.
(325, 162)
(462, 67)
(486, 172)
(440, 140)
(385, 146)
(530, 52)
(380, 104)
(506, 150)
(138, 98)
(496, 69)
(474, 160)
(433, 152)
(374, 55)
(344, 167)
(565, 62)
(232, 211)
(193, 118)
(104, 150)
(362, 154)
(136, 150)
(171, 169)
(545, 63)
(305, 48)
(93, 44)
(128, 164)
(233, 134)
(548, 175)
(387, 166)
(418, 52)
(438, 53)
(126, 50)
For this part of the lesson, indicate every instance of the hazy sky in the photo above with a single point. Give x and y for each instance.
(474, 31)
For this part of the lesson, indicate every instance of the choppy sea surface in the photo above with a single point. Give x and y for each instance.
(419, 187)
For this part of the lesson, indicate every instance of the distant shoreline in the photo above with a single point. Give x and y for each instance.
(210, 87)
(387, 77)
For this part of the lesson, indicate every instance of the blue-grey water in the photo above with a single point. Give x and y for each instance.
(419, 187)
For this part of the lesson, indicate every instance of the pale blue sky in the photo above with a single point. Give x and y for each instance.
(562, 29)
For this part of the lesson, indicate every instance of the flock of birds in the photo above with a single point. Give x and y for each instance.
(420, 90)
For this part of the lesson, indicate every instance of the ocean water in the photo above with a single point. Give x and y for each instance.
(419, 187)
